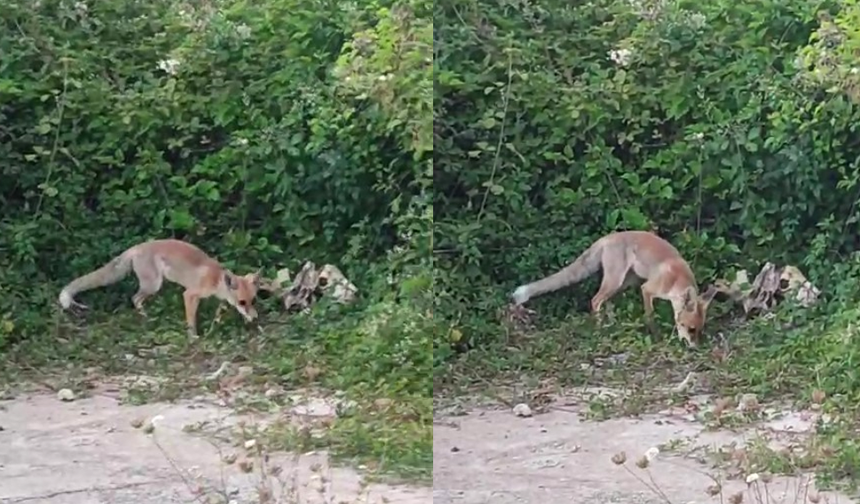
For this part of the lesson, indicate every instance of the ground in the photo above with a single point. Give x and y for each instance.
(97, 449)
(490, 455)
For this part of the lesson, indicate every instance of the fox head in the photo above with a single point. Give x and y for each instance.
(241, 292)
(690, 314)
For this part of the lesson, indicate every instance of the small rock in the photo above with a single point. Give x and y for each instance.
(229, 458)
(250, 444)
(454, 449)
(748, 402)
(137, 423)
(220, 371)
(311, 372)
(66, 395)
(274, 393)
(522, 410)
(688, 382)
(382, 403)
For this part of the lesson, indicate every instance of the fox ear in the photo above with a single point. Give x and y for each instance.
(255, 277)
(229, 281)
(689, 299)
(708, 296)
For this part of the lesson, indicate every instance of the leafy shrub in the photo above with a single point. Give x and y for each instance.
(239, 127)
(268, 133)
(557, 123)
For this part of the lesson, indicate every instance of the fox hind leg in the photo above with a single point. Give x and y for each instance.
(614, 279)
(149, 280)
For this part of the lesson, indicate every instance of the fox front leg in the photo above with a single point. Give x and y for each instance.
(192, 301)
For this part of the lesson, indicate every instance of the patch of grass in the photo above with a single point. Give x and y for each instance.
(375, 354)
(788, 357)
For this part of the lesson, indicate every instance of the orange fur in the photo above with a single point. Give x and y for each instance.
(176, 261)
(635, 257)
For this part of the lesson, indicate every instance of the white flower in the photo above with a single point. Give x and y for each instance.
(697, 20)
(169, 66)
(652, 453)
(621, 57)
(241, 141)
(243, 30)
(752, 478)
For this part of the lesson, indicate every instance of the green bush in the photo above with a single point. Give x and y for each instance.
(267, 133)
(559, 122)
(260, 132)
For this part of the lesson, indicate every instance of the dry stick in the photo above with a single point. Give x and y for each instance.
(506, 101)
(656, 491)
(703, 473)
(178, 470)
(61, 106)
(662, 494)
(49, 496)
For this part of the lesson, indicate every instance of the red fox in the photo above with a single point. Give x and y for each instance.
(628, 258)
(179, 262)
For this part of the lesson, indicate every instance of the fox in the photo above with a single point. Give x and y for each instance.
(179, 262)
(635, 257)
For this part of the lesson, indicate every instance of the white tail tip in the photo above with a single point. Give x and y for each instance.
(521, 295)
(66, 300)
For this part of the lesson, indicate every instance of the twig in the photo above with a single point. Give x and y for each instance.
(656, 490)
(506, 101)
(61, 105)
(51, 495)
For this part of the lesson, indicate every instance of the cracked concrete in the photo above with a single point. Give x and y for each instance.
(492, 456)
(88, 452)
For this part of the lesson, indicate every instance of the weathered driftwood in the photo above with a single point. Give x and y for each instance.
(770, 286)
(309, 285)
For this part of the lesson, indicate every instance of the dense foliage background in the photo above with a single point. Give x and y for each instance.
(268, 133)
(728, 127)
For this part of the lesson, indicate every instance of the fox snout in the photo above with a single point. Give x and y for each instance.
(249, 313)
(689, 335)
(247, 310)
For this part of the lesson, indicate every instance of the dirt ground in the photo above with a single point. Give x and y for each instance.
(87, 451)
(493, 456)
